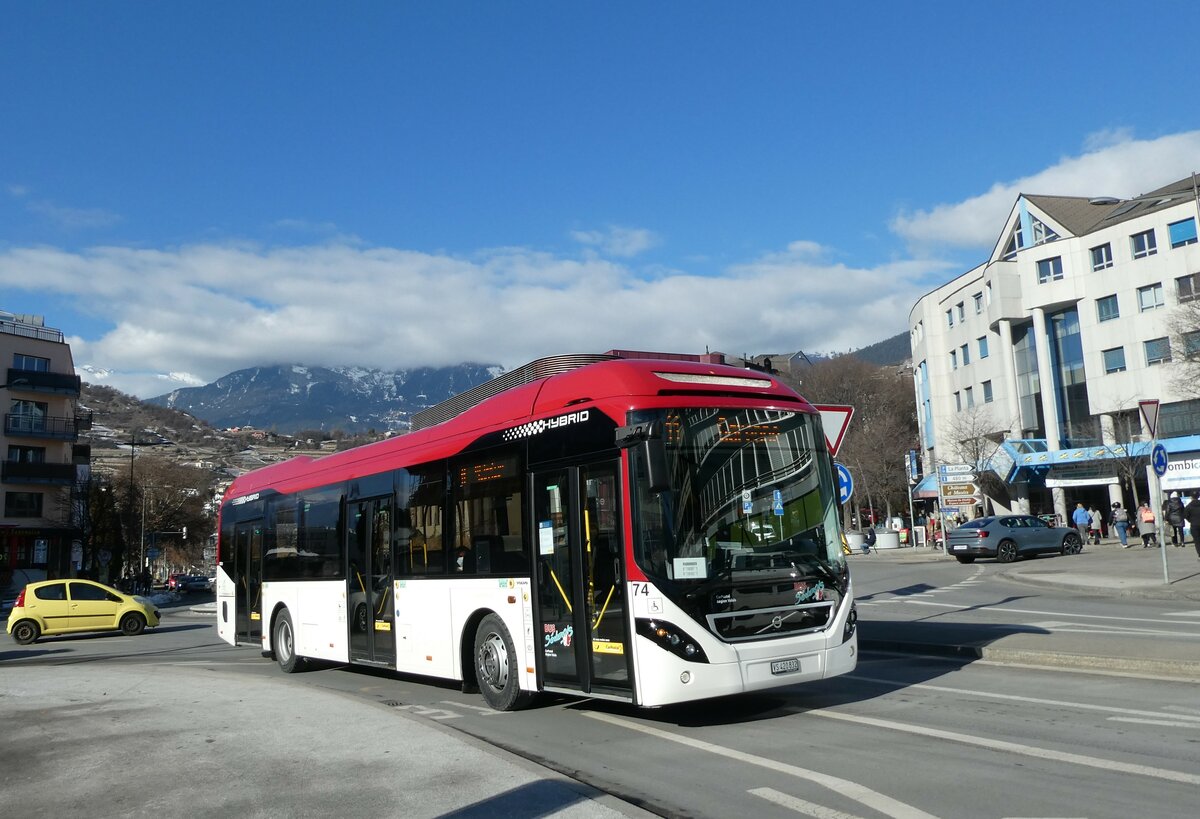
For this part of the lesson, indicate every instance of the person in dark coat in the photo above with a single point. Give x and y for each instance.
(1173, 515)
(1191, 513)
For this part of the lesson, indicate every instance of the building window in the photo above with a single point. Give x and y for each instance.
(1182, 233)
(1042, 232)
(957, 402)
(954, 359)
(1143, 244)
(1187, 287)
(949, 318)
(969, 392)
(978, 299)
(1114, 360)
(1107, 309)
(983, 347)
(1191, 343)
(31, 362)
(1102, 256)
(22, 504)
(1050, 270)
(987, 392)
(1150, 297)
(1158, 351)
(966, 354)
(962, 312)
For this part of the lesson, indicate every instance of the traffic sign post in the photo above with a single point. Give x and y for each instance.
(1159, 461)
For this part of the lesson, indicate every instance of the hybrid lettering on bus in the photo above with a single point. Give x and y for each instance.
(644, 530)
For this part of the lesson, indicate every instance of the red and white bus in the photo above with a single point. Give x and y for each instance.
(647, 530)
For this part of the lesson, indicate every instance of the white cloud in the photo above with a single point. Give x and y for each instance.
(74, 218)
(622, 242)
(1113, 164)
(206, 310)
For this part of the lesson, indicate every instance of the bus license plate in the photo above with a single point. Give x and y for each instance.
(785, 666)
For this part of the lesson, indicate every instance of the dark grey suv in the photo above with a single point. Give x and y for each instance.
(1008, 537)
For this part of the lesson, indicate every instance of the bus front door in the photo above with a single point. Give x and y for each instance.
(369, 604)
(247, 573)
(582, 633)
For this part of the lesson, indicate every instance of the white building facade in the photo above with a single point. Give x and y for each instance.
(1031, 366)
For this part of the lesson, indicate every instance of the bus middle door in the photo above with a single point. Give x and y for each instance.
(581, 618)
(369, 604)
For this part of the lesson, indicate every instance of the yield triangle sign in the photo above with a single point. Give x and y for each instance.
(835, 418)
(1149, 408)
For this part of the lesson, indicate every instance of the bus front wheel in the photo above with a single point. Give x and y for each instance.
(284, 642)
(496, 665)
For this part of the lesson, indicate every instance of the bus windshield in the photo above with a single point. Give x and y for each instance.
(750, 521)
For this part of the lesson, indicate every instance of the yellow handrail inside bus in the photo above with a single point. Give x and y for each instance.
(383, 600)
(361, 587)
(554, 577)
(604, 608)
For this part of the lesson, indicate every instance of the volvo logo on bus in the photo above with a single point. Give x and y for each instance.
(542, 424)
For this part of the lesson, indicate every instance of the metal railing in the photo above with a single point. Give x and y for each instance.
(42, 426)
(23, 472)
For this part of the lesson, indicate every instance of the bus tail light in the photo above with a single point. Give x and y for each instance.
(672, 638)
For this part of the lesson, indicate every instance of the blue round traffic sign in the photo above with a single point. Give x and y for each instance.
(845, 483)
(1160, 460)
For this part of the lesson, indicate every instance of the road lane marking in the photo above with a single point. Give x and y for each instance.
(1081, 706)
(801, 805)
(1182, 613)
(1163, 722)
(1007, 610)
(1012, 747)
(851, 790)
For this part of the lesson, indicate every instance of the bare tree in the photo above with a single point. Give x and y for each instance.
(972, 437)
(883, 429)
(1184, 326)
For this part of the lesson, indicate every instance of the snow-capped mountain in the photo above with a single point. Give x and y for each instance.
(291, 398)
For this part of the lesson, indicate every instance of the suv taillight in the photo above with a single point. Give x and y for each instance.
(982, 533)
(20, 604)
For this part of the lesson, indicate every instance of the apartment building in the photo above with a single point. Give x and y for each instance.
(1031, 366)
(43, 474)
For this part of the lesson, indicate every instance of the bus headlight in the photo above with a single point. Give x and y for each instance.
(672, 638)
(851, 622)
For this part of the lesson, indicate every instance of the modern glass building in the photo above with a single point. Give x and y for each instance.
(1031, 366)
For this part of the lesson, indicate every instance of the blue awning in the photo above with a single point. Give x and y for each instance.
(927, 487)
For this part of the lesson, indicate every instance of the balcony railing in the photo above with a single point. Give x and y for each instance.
(30, 331)
(43, 426)
(37, 381)
(22, 472)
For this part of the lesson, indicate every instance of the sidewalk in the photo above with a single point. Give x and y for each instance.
(1104, 570)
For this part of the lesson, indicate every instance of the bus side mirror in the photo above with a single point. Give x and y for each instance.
(647, 437)
(655, 454)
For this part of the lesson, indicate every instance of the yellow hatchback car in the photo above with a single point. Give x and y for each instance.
(70, 606)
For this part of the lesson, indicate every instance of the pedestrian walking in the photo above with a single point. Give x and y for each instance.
(1082, 521)
(1173, 514)
(1097, 522)
(1145, 522)
(1191, 514)
(1120, 521)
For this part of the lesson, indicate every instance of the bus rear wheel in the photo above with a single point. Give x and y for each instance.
(496, 665)
(283, 641)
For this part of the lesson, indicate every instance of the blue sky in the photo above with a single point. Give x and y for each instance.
(191, 188)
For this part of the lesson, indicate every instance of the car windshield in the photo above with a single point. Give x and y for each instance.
(751, 519)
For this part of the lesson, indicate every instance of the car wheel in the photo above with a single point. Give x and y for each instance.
(26, 632)
(284, 642)
(1072, 545)
(964, 559)
(1006, 552)
(133, 624)
(496, 665)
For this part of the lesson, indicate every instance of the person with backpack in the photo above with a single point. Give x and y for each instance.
(1120, 521)
(1145, 524)
(1095, 525)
